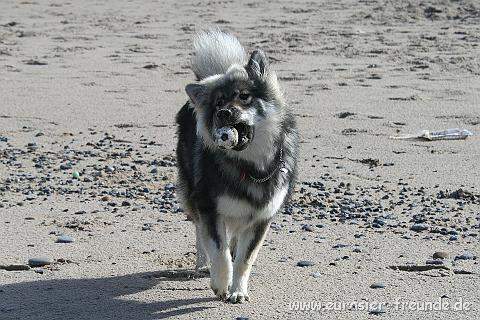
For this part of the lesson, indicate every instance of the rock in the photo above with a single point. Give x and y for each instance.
(75, 175)
(419, 227)
(39, 262)
(110, 169)
(377, 311)
(308, 227)
(377, 285)
(440, 255)
(305, 263)
(15, 267)
(465, 256)
(316, 274)
(66, 166)
(65, 239)
(435, 262)
(453, 238)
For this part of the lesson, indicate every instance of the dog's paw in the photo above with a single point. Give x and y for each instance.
(221, 293)
(238, 297)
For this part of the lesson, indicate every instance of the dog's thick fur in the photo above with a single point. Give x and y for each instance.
(232, 194)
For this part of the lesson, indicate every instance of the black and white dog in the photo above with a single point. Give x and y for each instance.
(231, 193)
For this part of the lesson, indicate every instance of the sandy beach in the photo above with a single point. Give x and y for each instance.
(377, 229)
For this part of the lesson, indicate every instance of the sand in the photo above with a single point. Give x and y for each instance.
(95, 86)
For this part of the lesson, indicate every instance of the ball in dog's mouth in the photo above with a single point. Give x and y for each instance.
(226, 137)
(234, 137)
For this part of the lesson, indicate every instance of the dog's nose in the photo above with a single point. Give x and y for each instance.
(224, 114)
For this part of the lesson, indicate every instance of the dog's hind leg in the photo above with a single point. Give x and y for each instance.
(201, 257)
(248, 244)
(213, 235)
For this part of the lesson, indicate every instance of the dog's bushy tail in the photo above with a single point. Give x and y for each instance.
(214, 52)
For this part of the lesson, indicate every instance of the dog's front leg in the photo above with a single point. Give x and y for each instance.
(248, 244)
(213, 235)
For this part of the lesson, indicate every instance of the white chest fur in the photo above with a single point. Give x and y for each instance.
(237, 208)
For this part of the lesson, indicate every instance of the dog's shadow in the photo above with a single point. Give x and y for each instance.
(97, 298)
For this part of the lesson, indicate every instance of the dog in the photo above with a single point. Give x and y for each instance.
(231, 194)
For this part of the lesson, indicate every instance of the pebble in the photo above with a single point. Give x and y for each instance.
(316, 274)
(465, 256)
(66, 166)
(15, 267)
(39, 261)
(453, 238)
(419, 227)
(440, 255)
(435, 262)
(377, 311)
(377, 285)
(305, 263)
(65, 239)
(308, 227)
(75, 175)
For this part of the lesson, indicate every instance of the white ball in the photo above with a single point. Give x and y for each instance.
(226, 137)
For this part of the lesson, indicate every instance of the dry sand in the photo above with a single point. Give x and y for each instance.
(96, 86)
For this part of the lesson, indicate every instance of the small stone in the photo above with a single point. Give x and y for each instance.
(440, 255)
(75, 175)
(39, 271)
(65, 239)
(308, 227)
(305, 263)
(419, 227)
(126, 203)
(465, 256)
(453, 238)
(377, 285)
(66, 166)
(434, 262)
(376, 311)
(110, 169)
(15, 267)
(316, 274)
(39, 261)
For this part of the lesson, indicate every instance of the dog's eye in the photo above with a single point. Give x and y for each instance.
(245, 97)
(220, 102)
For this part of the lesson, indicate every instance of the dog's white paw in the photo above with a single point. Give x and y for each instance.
(222, 293)
(238, 297)
(220, 283)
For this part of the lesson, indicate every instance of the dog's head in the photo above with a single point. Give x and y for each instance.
(245, 98)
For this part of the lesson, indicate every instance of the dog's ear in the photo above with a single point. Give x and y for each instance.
(258, 65)
(196, 92)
